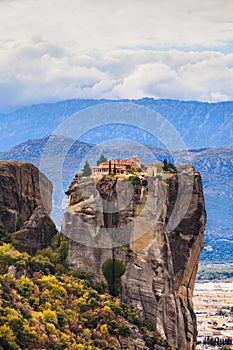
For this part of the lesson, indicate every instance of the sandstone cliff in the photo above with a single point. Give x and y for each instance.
(156, 230)
(20, 196)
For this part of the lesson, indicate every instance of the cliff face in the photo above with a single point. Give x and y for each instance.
(156, 230)
(20, 196)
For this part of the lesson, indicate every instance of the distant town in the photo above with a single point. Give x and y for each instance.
(213, 305)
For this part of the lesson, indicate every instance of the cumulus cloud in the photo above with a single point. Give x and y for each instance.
(126, 49)
(32, 74)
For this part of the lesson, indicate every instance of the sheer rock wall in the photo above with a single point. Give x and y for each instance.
(21, 186)
(156, 230)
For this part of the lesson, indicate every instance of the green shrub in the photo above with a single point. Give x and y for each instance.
(112, 270)
(148, 324)
(144, 182)
(41, 263)
(134, 180)
(124, 331)
(168, 166)
(5, 236)
(19, 223)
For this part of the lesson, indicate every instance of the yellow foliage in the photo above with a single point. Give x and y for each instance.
(54, 286)
(107, 308)
(107, 303)
(45, 295)
(25, 285)
(61, 311)
(47, 305)
(104, 328)
(51, 328)
(65, 338)
(7, 334)
(34, 315)
(49, 316)
(81, 347)
(87, 333)
(11, 312)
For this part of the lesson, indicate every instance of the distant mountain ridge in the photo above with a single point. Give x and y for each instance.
(200, 124)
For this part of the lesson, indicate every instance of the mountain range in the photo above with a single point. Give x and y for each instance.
(201, 125)
(206, 129)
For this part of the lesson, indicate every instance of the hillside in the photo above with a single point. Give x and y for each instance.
(46, 306)
(199, 124)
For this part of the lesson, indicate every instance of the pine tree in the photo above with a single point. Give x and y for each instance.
(165, 165)
(101, 159)
(114, 169)
(86, 169)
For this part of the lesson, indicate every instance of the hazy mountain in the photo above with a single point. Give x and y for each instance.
(215, 166)
(33, 150)
(200, 124)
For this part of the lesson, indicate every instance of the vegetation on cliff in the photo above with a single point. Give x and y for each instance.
(43, 305)
(112, 270)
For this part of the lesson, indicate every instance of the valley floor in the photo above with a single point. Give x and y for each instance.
(213, 304)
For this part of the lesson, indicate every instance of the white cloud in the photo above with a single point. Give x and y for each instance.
(51, 50)
(39, 72)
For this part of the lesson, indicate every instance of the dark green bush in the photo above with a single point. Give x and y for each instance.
(112, 270)
(134, 180)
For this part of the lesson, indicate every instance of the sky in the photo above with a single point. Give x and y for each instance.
(53, 50)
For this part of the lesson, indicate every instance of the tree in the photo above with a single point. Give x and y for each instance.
(101, 159)
(86, 169)
(5, 236)
(112, 270)
(64, 248)
(159, 167)
(165, 165)
(134, 180)
(114, 169)
(168, 166)
(19, 223)
(109, 167)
